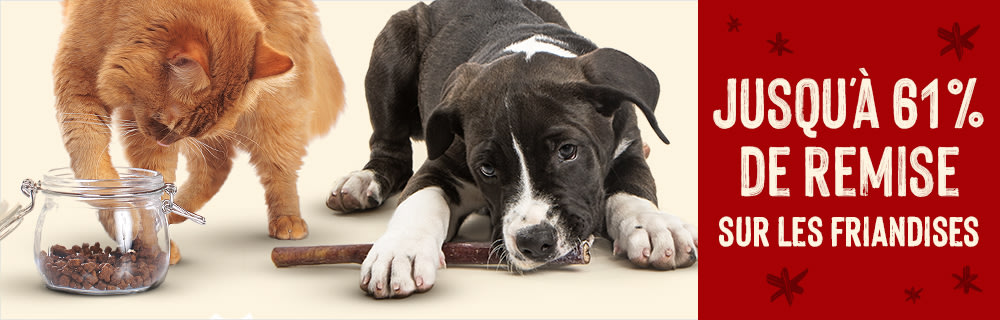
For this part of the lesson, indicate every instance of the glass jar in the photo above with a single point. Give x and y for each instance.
(101, 237)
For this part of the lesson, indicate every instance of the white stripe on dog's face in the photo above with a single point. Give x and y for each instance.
(527, 210)
(539, 43)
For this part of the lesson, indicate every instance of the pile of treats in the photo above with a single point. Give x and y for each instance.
(89, 267)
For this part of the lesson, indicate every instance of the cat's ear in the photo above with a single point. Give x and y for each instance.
(267, 61)
(188, 61)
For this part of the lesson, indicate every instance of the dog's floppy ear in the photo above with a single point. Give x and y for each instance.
(616, 78)
(610, 99)
(441, 128)
(445, 122)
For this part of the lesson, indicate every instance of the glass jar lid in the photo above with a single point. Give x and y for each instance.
(131, 182)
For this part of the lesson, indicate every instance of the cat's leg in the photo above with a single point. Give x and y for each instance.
(276, 153)
(391, 90)
(85, 122)
(209, 162)
(143, 152)
(86, 129)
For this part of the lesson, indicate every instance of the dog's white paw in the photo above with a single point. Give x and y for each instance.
(356, 191)
(658, 240)
(399, 266)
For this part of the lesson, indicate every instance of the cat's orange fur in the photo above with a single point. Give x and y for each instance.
(200, 77)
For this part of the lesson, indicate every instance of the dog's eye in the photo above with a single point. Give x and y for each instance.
(487, 170)
(567, 152)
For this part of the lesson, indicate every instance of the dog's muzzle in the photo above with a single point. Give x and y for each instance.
(538, 242)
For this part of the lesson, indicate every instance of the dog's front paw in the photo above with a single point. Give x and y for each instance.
(397, 267)
(287, 228)
(658, 240)
(356, 191)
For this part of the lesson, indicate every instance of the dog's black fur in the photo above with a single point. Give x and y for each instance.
(440, 72)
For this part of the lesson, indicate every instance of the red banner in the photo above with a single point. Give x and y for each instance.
(846, 165)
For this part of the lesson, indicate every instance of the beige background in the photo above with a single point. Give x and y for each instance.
(226, 271)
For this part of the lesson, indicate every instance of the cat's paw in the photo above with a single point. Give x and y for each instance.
(175, 253)
(287, 228)
(658, 240)
(356, 191)
(174, 218)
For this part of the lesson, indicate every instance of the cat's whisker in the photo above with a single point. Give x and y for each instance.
(194, 144)
(88, 122)
(244, 137)
(220, 140)
(85, 114)
(191, 146)
(103, 126)
(225, 134)
(128, 125)
(230, 137)
(224, 143)
(204, 145)
(239, 137)
(129, 133)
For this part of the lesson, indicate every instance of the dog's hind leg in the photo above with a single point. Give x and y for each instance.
(391, 90)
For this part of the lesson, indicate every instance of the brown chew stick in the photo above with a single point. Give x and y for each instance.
(301, 256)
(645, 150)
(454, 253)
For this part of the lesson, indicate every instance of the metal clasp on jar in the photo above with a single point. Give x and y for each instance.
(15, 216)
(170, 207)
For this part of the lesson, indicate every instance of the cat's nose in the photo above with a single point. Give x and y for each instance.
(155, 129)
(170, 138)
(165, 119)
(170, 115)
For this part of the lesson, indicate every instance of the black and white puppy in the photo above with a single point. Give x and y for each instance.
(523, 119)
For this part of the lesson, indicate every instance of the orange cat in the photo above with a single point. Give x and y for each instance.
(201, 77)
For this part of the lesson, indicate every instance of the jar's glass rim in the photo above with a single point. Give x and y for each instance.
(130, 181)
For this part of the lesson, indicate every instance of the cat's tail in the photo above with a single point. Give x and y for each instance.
(330, 97)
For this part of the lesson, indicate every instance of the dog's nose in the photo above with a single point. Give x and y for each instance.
(537, 242)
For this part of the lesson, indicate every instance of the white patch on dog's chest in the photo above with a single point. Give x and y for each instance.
(539, 43)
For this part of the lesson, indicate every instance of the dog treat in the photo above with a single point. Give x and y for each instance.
(89, 267)
(454, 253)
(645, 150)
